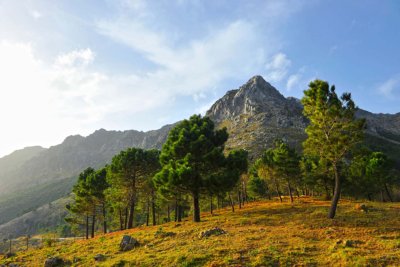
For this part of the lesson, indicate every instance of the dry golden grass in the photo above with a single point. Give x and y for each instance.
(260, 234)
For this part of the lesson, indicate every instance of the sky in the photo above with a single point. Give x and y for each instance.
(71, 67)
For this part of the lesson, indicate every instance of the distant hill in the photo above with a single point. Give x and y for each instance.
(45, 217)
(12, 163)
(255, 115)
(33, 177)
(34, 166)
(20, 202)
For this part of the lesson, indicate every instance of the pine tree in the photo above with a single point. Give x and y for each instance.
(287, 165)
(128, 172)
(193, 161)
(333, 130)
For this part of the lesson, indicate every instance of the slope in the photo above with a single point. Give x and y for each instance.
(18, 203)
(40, 219)
(261, 234)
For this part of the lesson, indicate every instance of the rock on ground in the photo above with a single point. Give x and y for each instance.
(213, 231)
(128, 243)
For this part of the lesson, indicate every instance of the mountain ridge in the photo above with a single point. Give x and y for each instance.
(255, 115)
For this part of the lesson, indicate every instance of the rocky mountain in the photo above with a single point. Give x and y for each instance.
(255, 115)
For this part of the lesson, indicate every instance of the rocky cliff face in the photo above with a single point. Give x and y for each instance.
(256, 114)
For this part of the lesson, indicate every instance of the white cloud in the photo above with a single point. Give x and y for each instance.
(36, 14)
(77, 57)
(389, 87)
(293, 81)
(278, 68)
(42, 103)
(197, 66)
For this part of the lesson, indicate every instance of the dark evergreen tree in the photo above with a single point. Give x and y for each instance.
(193, 161)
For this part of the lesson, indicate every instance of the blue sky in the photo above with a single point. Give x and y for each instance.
(71, 67)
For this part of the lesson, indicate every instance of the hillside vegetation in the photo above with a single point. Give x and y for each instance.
(18, 203)
(264, 233)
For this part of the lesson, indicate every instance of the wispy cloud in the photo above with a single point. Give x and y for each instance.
(76, 57)
(293, 81)
(36, 14)
(278, 67)
(391, 87)
(194, 67)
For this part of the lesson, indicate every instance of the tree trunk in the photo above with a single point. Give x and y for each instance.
(336, 195)
(297, 193)
(131, 213)
(147, 211)
(168, 214)
(388, 193)
(369, 196)
(126, 218)
(239, 200)
(268, 193)
(104, 219)
(382, 197)
(196, 207)
(176, 210)
(246, 196)
(290, 192)
(328, 194)
(153, 211)
(93, 224)
(211, 204)
(232, 204)
(121, 222)
(87, 226)
(180, 211)
(277, 190)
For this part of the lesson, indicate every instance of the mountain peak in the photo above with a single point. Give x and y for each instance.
(255, 96)
(257, 80)
(259, 89)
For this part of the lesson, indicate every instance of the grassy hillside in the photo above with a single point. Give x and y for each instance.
(19, 203)
(261, 234)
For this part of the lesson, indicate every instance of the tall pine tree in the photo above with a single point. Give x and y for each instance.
(333, 130)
